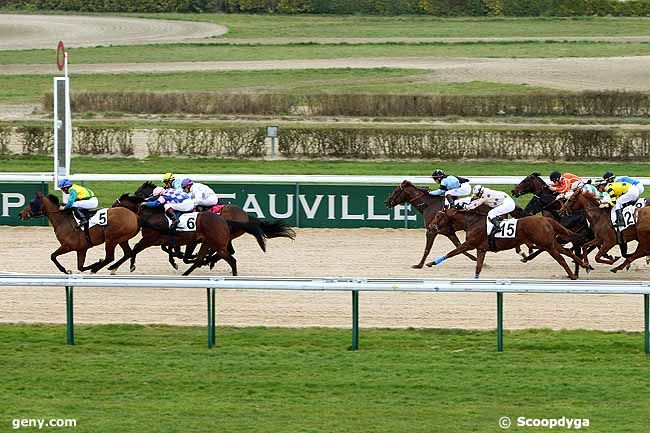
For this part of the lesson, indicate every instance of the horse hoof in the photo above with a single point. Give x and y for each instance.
(418, 266)
(113, 272)
(613, 270)
(69, 272)
(523, 260)
(132, 268)
(175, 266)
(430, 264)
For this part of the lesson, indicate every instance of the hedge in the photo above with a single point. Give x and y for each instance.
(591, 104)
(469, 143)
(570, 144)
(345, 7)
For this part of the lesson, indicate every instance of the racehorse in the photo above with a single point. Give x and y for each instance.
(231, 213)
(428, 206)
(211, 230)
(600, 223)
(545, 201)
(540, 231)
(121, 225)
(643, 235)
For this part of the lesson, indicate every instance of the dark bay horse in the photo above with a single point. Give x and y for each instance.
(601, 224)
(428, 206)
(545, 201)
(537, 230)
(212, 231)
(121, 226)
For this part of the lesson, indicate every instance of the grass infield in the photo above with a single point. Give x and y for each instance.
(131, 378)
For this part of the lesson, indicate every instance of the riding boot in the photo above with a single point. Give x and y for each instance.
(619, 218)
(171, 214)
(83, 222)
(496, 226)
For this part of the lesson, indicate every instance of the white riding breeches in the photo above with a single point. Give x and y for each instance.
(463, 190)
(184, 206)
(507, 206)
(210, 200)
(89, 203)
(632, 195)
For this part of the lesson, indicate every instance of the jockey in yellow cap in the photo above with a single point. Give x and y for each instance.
(169, 181)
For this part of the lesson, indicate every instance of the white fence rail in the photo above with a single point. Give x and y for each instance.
(253, 178)
(353, 285)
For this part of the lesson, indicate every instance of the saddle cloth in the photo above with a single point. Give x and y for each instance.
(100, 218)
(187, 222)
(217, 208)
(508, 229)
(628, 213)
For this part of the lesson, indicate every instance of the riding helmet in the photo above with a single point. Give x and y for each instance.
(186, 182)
(609, 176)
(438, 173)
(478, 190)
(64, 183)
(555, 176)
(168, 177)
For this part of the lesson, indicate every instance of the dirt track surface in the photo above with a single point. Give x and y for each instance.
(562, 73)
(317, 252)
(20, 32)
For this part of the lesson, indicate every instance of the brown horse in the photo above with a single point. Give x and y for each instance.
(537, 230)
(122, 225)
(428, 206)
(212, 231)
(600, 223)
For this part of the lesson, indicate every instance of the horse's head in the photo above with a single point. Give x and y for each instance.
(34, 209)
(401, 194)
(531, 184)
(129, 202)
(145, 190)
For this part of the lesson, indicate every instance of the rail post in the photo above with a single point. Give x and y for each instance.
(646, 317)
(69, 314)
(355, 320)
(212, 339)
(499, 321)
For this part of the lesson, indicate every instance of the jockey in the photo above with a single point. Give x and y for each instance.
(597, 189)
(169, 181)
(621, 193)
(80, 200)
(452, 187)
(563, 183)
(200, 193)
(500, 202)
(609, 177)
(173, 200)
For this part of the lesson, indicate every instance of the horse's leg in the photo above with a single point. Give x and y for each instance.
(454, 239)
(431, 236)
(532, 255)
(108, 258)
(604, 248)
(480, 257)
(554, 251)
(459, 250)
(127, 253)
(189, 249)
(575, 257)
(199, 258)
(587, 249)
(81, 261)
(63, 249)
(142, 244)
(628, 260)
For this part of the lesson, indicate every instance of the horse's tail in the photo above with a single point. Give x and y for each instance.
(275, 229)
(252, 228)
(565, 233)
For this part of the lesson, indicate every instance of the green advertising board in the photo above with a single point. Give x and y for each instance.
(14, 197)
(318, 205)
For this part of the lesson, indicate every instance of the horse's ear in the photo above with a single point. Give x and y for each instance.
(54, 199)
(536, 174)
(405, 183)
(124, 196)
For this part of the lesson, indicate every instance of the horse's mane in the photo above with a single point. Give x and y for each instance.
(409, 183)
(149, 184)
(536, 174)
(589, 196)
(54, 199)
(124, 196)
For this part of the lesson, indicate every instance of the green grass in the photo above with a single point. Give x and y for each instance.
(31, 88)
(222, 52)
(310, 26)
(163, 379)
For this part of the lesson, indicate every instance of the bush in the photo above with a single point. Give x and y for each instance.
(5, 137)
(91, 140)
(36, 140)
(470, 143)
(593, 104)
(230, 142)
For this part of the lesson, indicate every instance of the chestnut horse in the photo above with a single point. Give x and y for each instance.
(428, 205)
(122, 225)
(538, 230)
(601, 224)
(642, 227)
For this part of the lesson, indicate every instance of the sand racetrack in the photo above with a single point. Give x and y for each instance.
(317, 252)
